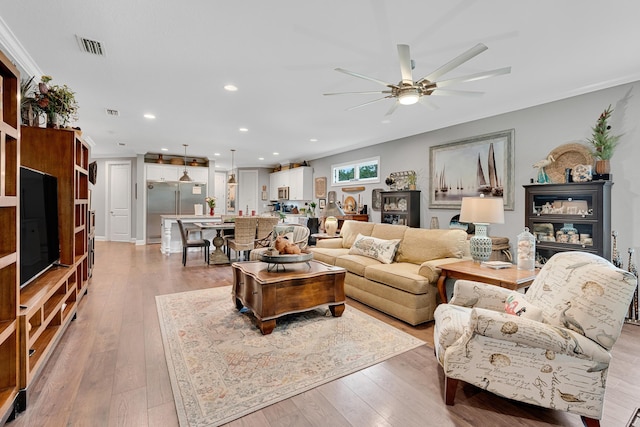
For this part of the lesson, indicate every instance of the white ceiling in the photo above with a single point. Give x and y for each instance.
(173, 58)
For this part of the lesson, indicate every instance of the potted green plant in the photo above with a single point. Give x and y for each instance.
(412, 180)
(603, 142)
(57, 103)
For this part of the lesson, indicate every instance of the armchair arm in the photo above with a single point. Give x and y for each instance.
(507, 327)
(469, 293)
(265, 242)
(335, 243)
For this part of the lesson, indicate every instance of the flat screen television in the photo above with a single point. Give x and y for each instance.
(39, 239)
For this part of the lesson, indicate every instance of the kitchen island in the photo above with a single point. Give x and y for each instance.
(171, 242)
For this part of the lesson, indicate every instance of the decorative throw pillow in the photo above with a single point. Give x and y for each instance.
(382, 250)
(518, 306)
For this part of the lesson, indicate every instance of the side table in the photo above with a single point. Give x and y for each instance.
(510, 278)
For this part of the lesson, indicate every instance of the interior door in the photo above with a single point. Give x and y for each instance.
(119, 201)
(248, 191)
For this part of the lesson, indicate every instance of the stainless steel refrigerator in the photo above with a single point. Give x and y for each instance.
(170, 198)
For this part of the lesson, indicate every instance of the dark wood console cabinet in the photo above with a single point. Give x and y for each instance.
(400, 207)
(569, 217)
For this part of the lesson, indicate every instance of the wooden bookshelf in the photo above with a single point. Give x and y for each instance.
(49, 303)
(9, 235)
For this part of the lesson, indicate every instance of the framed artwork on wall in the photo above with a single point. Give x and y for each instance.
(322, 203)
(231, 198)
(321, 187)
(472, 166)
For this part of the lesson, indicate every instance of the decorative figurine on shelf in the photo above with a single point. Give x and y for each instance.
(616, 259)
(543, 178)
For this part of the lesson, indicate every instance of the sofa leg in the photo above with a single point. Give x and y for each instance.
(590, 422)
(450, 386)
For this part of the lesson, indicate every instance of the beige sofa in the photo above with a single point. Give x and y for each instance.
(404, 288)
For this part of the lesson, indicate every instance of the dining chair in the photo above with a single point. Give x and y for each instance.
(265, 228)
(244, 235)
(192, 243)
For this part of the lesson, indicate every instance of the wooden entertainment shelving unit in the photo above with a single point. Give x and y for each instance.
(49, 302)
(9, 235)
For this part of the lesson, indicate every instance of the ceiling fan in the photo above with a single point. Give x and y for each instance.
(408, 91)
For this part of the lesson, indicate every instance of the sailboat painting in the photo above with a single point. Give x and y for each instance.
(470, 167)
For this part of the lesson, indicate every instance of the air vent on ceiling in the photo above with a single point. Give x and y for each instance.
(112, 112)
(91, 46)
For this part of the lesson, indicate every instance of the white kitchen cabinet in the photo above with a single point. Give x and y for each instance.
(162, 173)
(157, 172)
(299, 180)
(277, 179)
(301, 183)
(197, 174)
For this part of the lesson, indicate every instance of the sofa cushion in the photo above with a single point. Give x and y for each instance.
(420, 245)
(399, 275)
(388, 231)
(350, 230)
(379, 249)
(327, 255)
(355, 264)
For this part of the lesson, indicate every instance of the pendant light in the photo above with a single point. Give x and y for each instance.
(185, 177)
(232, 177)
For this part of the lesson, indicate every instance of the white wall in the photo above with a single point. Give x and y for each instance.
(538, 130)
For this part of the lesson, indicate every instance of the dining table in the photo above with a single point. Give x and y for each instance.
(217, 256)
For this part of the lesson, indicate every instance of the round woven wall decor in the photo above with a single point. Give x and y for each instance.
(567, 156)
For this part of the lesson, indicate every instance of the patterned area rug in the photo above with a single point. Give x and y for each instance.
(223, 368)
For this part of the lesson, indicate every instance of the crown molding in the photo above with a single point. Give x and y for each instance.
(14, 49)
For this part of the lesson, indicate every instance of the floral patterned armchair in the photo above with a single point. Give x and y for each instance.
(549, 347)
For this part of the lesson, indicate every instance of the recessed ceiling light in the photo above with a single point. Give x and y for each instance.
(314, 140)
(385, 121)
(230, 88)
(260, 158)
(243, 130)
(216, 154)
(149, 116)
(164, 149)
(276, 154)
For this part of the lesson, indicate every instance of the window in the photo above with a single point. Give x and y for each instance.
(364, 171)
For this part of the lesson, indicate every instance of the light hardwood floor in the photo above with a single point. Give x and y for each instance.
(109, 368)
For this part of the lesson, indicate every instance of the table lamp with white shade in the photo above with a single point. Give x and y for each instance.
(482, 211)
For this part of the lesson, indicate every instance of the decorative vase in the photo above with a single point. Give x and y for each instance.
(526, 250)
(331, 225)
(211, 211)
(603, 166)
(52, 120)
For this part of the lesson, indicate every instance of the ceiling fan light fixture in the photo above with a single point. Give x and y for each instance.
(409, 97)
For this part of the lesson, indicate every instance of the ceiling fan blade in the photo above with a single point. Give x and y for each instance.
(358, 93)
(361, 76)
(405, 64)
(447, 92)
(367, 103)
(393, 108)
(424, 100)
(474, 77)
(455, 62)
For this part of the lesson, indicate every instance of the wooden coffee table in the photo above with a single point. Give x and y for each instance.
(303, 286)
(510, 278)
